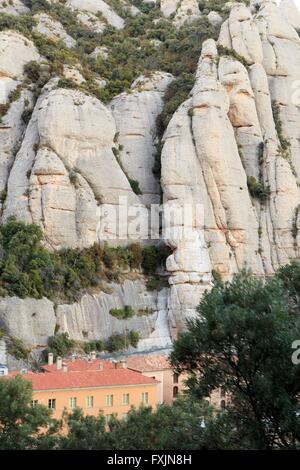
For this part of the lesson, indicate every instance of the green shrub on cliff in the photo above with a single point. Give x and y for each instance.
(28, 269)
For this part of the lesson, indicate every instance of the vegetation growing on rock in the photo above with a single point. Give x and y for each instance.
(122, 313)
(27, 269)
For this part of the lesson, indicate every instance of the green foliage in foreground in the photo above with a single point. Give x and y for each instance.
(168, 427)
(19, 421)
(243, 341)
(27, 269)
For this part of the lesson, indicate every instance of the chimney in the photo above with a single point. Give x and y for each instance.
(100, 366)
(93, 355)
(59, 363)
(120, 364)
(73, 358)
(50, 359)
(64, 367)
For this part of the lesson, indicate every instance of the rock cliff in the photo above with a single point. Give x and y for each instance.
(231, 149)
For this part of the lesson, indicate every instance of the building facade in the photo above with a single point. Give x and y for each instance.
(157, 367)
(93, 385)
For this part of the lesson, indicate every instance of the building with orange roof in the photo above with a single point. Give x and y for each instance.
(158, 367)
(170, 385)
(92, 385)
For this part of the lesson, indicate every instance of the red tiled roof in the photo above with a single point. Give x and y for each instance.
(148, 363)
(85, 379)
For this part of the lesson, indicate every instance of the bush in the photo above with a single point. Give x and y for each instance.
(115, 343)
(134, 338)
(232, 53)
(122, 313)
(118, 342)
(258, 189)
(135, 186)
(61, 344)
(16, 348)
(176, 93)
(97, 345)
(154, 257)
(284, 143)
(27, 269)
(33, 71)
(156, 283)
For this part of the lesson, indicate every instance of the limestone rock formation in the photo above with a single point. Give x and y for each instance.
(65, 168)
(253, 110)
(168, 7)
(214, 18)
(97, 6)
(15, 52)
(137, 133)
(32, 320)
(53, 29)
(13, 7)
(90, 318)
(230, 154)
(184, 11)
(187, 11)
(35, 321)
(290, 12)
(91, 21)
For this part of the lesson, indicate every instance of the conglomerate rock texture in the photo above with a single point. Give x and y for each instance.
(231, 149)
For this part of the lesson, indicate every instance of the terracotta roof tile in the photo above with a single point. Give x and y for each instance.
(85, 379)
(148, 363)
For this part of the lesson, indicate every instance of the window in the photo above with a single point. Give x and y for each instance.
(145, 398)
(73, 403)
(223, 393)
(90, 401)
(34, 402)
(52, 403)
(175, 392)
(124, 416)
(109, 400)
(223, 404)
(175, 378)
(125, 399)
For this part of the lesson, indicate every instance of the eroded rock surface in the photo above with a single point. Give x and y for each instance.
(137, 132)
(242, 121)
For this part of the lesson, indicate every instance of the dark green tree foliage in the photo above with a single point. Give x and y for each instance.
(118, 342)
(84, 432)
(154, 257)
(19, 421)
(22, 23)
(22, 259)
(242, 340)
(122, 313)
(61, 344)
(257, 189)
(290, 277)
(96, 345)
(168, 428)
